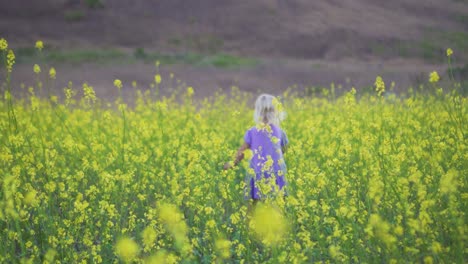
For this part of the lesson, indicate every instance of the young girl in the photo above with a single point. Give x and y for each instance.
(268, 143)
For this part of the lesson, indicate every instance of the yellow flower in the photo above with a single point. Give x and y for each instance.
(157, 78)
(175, 224)
(222, 247)
(52, 73)
(335, 252)
(118, 83)
(449, 52)
(211, 224)
(268, 164)
(39, 45)
(3, 44)
(398, 230)
(50, 256)
(10, 60)
(30, 199)
(126, 249)
(248, 154)
(436, 247)
(89, 94)
(208, 210)
(379, 228)
(434, 77)
(428, 260)
(190, 91)
(37, 69)
(268, 224)
(161, 257)
(149, 236)
(277, 105)
(274, 140)
(448, 182)
(379, 85)
(235, 218)
(69, 93)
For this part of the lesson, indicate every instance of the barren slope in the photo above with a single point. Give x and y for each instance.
(329, 29)
(299, 42)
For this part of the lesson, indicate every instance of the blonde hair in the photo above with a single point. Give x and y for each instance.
(268, 110)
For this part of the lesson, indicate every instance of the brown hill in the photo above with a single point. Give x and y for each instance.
(301, 43)
(328, 29)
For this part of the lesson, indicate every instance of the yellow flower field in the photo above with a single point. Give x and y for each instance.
(371, 178)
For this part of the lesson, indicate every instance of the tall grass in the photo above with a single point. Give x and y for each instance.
(371, 179)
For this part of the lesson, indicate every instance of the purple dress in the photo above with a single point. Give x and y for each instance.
(266, 175)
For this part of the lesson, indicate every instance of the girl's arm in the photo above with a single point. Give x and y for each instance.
(239, 156)
(284, 142)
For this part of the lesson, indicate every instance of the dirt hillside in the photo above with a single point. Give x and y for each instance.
(315, 41)
(293, 28)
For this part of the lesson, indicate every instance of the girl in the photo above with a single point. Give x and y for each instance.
(268, 143)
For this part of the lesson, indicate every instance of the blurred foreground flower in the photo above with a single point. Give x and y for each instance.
(448, 182)
(162, 257)
(175, 224)
(268, 224)
(126, 249)
(31, 199)
(380, 229)
(50, 256)
(222, 247)
(149, 236)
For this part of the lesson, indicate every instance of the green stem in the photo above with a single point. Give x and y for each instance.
(22, 243)
(450, 70)
(11, 110)
(123, 138)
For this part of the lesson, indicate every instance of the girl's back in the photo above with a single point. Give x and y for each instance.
(266, 142)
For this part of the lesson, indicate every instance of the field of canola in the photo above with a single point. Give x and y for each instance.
(372, 178)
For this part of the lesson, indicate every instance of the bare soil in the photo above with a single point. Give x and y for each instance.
(298, 42)
(273, 76)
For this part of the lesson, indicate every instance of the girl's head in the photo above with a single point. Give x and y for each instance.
(268, 110)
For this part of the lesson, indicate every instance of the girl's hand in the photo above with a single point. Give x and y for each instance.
(227, 166)
(239, 156)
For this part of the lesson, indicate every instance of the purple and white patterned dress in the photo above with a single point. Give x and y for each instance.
(267, 171)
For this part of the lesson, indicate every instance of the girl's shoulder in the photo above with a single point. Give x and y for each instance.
(252, 128)
(266, 128)
(277, 128)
